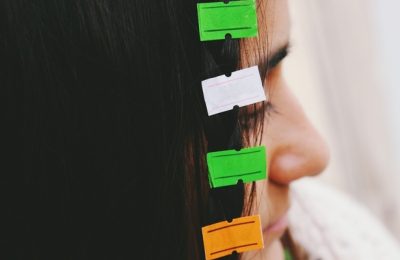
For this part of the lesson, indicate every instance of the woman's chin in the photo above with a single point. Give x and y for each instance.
(271, 237)
(275, 230)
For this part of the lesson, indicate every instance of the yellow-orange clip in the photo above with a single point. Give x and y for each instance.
(240, 235)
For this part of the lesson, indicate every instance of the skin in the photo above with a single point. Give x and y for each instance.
(294, 147)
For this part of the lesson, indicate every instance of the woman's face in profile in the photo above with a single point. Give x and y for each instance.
(294, 147)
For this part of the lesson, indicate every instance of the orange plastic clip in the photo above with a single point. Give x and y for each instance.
(240, 235)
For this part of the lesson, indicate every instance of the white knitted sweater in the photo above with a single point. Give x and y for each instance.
(329, 225)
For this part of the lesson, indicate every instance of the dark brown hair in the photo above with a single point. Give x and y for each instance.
(106, 130)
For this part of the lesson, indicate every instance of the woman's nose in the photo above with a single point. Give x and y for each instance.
(295, 148)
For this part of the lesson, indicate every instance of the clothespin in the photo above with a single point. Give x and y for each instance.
(228, 167)
(235, 19)
(239, 235)
(244, 87)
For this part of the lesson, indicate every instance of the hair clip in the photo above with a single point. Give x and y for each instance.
(242, 88)
(229, 167)
(237, 19)
(239, 235)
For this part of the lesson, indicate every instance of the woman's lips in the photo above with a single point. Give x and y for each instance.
(279, 225)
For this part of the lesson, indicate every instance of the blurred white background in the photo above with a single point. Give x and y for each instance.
(344, 68)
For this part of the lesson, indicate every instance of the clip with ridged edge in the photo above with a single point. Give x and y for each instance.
(228, 167)
(240, 235)
(242, 88)
(235, 19)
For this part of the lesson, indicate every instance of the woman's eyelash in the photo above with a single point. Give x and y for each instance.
(248, 119)
(271, 62)
(281, 55)
(269, 108)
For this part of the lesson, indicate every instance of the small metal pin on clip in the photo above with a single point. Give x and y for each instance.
(236, 19)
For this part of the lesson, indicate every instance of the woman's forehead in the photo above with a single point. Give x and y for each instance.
(275, 22)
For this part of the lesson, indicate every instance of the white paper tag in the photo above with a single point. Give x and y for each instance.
(242, 88)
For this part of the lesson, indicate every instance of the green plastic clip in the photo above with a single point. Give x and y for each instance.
(228, 167)
(235, 18)
(288, 255)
